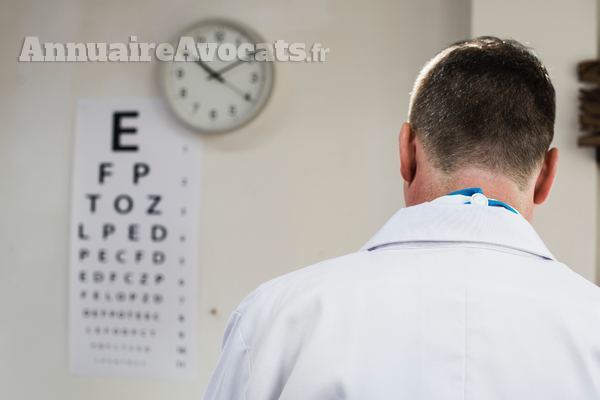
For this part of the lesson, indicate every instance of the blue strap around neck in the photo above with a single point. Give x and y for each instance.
(491, 202)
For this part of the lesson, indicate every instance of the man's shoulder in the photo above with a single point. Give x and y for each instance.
(344, 269)
(339, 277)
(580, 287)
(312, 277)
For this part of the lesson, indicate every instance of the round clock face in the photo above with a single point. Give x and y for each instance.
(215, 95)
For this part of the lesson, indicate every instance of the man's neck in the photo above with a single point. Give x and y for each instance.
(494, 186)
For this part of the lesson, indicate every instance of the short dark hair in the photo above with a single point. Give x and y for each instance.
(486, 102)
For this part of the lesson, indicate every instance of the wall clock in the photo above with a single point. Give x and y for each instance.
(214, 95)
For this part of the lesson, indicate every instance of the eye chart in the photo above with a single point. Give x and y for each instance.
(132, 300)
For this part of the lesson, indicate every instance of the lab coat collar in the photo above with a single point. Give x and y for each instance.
(448, 219)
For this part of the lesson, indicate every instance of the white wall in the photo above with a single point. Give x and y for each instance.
(312, 177)
(562, 33)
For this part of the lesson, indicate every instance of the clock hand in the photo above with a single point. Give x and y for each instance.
(245, 96)
(232, 65)
(210, 71)
(216, 75)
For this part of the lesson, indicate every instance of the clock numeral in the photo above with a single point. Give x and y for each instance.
(183, 92)
(219, 36)
(247, 97)
(196, 106)
(201, 39)
(180, 73)
(254, 77)
(213, 114)
(232, 110)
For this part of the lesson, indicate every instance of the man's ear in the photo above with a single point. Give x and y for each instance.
(408, 153)
(546, 177)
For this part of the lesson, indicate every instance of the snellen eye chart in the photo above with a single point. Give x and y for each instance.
(132, 300)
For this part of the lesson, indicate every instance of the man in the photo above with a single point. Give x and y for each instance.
(456, 297)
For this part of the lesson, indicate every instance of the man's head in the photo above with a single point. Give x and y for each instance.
(481, 114)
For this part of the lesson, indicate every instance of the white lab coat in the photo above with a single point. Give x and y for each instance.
(447, 301)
